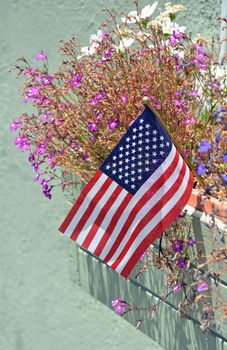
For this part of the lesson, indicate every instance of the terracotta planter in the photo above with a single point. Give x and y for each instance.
(208, 205)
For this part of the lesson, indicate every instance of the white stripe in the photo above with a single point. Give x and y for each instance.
(90, 195)
(147, 207)
(104, 225)
(150, 181)
(154, 222)
(96, 211)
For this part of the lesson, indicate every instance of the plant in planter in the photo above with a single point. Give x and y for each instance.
(83, 109)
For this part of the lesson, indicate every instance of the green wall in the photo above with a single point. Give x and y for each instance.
(40, 305)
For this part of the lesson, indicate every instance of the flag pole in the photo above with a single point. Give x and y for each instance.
(146, 101)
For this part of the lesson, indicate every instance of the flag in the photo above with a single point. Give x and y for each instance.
(132, 198)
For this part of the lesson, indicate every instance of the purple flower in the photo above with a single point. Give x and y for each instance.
(201, 169)
(113, 124)
(178, 245)
(92, 126)
(202, 286)
(204, 147)
(124, 98)
(76, 80)
(118, 305)
(191, 242)
(45, 117)
(181, 263)
(178, 287)
(22, 143)
(15, 125)
(224, 176)
(41, 56)
(225, 157)
(41, 149)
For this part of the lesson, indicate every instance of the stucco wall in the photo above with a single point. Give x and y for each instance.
(40, 306)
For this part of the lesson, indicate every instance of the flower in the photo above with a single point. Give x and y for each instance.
(178, 245)
(202, 286)
(113, 124)
(15, 125)
(134, 16)
(178, 287)
(201, 169)
(182, 263)
(41, 56)
(118, 305)
(204, 147)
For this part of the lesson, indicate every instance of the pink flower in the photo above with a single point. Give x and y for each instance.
(41, 56)
(113, 124)
(202, 286)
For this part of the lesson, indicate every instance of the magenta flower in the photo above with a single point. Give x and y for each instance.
(76, 80)
(92, 126)
(41, 56)
(118, 305)
(113, 124)
(178, 287)
(202, 286)
(191, 242)
(15, 125)
(22, 143)
(124, 99)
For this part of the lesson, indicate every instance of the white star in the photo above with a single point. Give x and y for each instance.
(141, 121)
(126, 174)
(133, 158)
(147, 155)
(134, 129)
(127, 146)
(140, 142)
(126, 160)
(140, 170)
(120, 170)
(154, 132)
(133, 165)
(114, 172)
(147, 126)
(127, 153)
(126, 167)
(140, 134)
(133, 179)
(133, 186)
(140, 163)
(134, 144)
(121, 162)
(134, 137)
(140, 156)
(126, 181)
(132, 172)
(147, 169)
(161, 138)
(167, 143)
(147, 162)
(128, 139)
(140, 177)
(120, 155)
(154, 161)
(140, 149)
(147, 140)
(133, 151)
(147, 133)
(114, 157)
(108, 167)
(120, 177)
(114, 165)
(162, 145)
(162, 153)
(141, 127)
(121, 148)
(154, 154)
(154, 139)
(147, 148)
(154, 146)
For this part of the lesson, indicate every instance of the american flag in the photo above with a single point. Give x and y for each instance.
(132, 198)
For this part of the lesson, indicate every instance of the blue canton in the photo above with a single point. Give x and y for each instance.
(139, 153)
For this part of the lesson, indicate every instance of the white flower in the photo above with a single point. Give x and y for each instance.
(124, 44)
(96, 38)
(168, 27)
(134, 16)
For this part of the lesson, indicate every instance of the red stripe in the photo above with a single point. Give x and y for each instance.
(112, 224)
(150, 214)
(101, 217)
(148, 194)
(155, 233)
(90, 208)
(79, 201)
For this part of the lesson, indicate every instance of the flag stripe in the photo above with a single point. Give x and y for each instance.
(114, 220)
(135, 199)
(157, 230)
(79, 201)
(88, 207)
(147, 215)
(94, 225)
(150, 198)
(166, 209)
